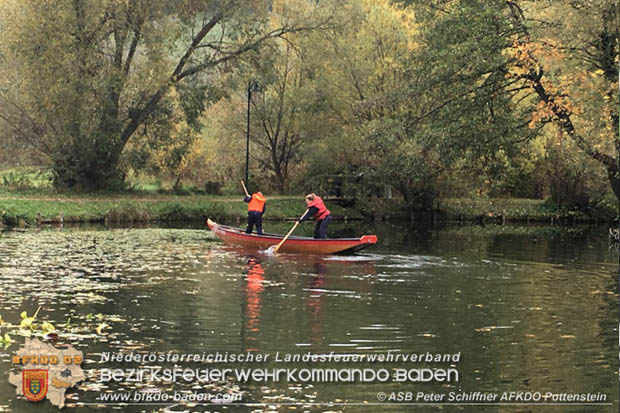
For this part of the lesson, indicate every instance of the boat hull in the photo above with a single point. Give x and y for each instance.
(298, 245)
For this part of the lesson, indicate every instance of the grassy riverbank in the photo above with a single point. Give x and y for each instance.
(29, 207)
(483, 209)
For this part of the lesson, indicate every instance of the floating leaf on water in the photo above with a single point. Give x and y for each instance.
(26, 322)
(100, 327)
(47, 327)
(567, 336)
(7, 338)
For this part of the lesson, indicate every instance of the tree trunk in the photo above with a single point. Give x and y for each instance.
(614, 181)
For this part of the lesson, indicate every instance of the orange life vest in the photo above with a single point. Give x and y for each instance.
(323, 212)
(257, 202)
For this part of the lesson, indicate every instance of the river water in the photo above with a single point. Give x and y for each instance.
(531, 309)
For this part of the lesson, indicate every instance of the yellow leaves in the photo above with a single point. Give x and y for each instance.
(47, 327)
(27, 322)
(546, 49)
(6, 339)
(101, 327)
(530, 56)
(519, 71)
(523, 53)
(542, 114)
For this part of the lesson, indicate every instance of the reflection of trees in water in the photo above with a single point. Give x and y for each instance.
(609, 303)
(551, 241)
(315, 301)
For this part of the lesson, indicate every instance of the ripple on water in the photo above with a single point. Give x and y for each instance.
(162, 290)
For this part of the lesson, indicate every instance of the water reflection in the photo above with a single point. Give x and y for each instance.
(273, 277)
(316, 287)
(528, 309)
(253, 289)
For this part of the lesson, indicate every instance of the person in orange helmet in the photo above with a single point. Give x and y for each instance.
(256, 209)
(320, 213)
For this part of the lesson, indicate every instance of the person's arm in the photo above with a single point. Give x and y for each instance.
(310, 213)
(264, 208)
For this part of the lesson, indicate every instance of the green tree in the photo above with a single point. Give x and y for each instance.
(360, 66)
(81, 78)
(425, 93)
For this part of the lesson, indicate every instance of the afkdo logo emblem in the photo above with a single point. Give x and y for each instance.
(34, 384)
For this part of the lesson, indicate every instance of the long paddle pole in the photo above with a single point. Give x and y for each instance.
(289, 233)
(244, 188)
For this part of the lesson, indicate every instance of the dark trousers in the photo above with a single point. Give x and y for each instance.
(320, 229)
(255, 218)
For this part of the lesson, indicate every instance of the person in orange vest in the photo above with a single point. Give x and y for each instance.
(256, 209)
(320, 213)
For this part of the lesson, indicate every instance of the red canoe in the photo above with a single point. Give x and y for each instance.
(304, 245)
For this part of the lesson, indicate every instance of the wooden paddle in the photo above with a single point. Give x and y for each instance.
(244, 188)
(289, 233)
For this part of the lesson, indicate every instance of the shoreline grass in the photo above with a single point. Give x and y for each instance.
(24, 209)
(30, 207)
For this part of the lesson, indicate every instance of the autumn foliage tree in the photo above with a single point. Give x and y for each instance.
(571, 66)
(557, 71)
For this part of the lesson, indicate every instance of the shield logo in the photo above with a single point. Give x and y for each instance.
(34, 384)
